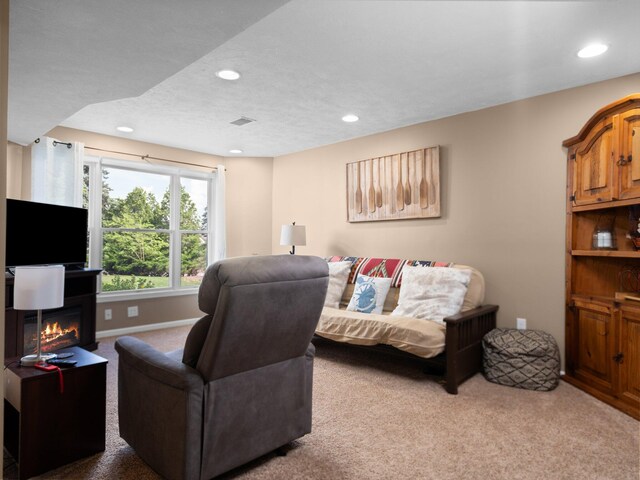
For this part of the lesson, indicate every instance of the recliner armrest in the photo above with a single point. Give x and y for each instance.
(156, 365)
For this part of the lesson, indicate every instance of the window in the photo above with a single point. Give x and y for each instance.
(149, 226)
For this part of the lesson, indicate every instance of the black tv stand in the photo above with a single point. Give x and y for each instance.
(11, 271)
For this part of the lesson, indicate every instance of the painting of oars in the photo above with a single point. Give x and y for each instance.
(399, 189)
(358, 189)
(424, 202)
(371, 193)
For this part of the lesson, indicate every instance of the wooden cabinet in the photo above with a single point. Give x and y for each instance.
(603, 284)
(629, 387)
(628, 155)
(594, 344)
(604, 169)
(594, 168)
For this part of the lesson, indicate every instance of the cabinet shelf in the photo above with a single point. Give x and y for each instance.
(604, 205)
(618, 298)
(606, 253)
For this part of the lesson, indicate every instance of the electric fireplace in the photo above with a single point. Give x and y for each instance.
(60, 329)
(74, 324)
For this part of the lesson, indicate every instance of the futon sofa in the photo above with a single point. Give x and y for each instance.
(450, 345)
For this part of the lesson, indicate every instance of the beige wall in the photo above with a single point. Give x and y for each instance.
(503, 197)
(119, 144)
(249, 183)
(249, 195)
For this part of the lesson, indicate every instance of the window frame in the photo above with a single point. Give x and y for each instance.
(96, 230)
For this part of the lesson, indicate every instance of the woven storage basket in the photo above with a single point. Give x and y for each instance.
(527, 359)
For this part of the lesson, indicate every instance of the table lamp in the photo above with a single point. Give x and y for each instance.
(293, 235)
(38, 288)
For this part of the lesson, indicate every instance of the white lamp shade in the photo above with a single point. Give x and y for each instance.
(293, 235)
(38, 287)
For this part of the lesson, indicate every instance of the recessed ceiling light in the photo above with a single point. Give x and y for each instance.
(350, 118)
(228, 74)
(235, 150)
(593, 50)
(124, 129)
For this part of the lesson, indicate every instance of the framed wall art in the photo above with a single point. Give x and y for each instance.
(394, 187)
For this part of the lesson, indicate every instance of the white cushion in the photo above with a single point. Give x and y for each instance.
(369, 294)
(431, 293)
(338, 276)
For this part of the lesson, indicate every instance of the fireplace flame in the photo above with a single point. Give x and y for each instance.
(53, 331)
(58, 331)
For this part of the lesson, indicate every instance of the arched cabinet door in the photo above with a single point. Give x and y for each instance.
(628, 158)
(593, 178)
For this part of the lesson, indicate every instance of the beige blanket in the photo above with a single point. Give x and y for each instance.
(419, 337)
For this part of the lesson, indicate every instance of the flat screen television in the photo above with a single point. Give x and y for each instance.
(44, 234)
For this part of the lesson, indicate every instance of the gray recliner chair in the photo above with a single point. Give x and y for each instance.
(241, 387)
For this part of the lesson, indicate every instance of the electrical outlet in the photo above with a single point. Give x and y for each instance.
(132, 311)
(107, 314)
(521, 323)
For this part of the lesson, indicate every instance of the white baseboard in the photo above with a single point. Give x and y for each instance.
(116, 332)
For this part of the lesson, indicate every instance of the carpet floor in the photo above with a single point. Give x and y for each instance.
(377, 417)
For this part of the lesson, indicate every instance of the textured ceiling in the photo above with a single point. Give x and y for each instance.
(67, 54)
(304, 63)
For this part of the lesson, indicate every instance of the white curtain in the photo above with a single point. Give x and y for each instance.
(219, 233)
(56, 172)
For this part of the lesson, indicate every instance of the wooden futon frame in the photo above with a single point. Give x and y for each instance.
(462, 356)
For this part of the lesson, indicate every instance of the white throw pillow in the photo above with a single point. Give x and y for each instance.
(338, 276)
(432, 293)
(369, 294)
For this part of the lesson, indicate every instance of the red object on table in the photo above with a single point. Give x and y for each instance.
(51, 368)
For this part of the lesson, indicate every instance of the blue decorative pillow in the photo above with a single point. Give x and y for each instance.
(369, 294)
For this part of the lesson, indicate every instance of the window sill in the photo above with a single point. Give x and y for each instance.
(143, 294)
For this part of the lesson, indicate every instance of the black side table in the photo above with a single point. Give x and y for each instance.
(45, 429)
